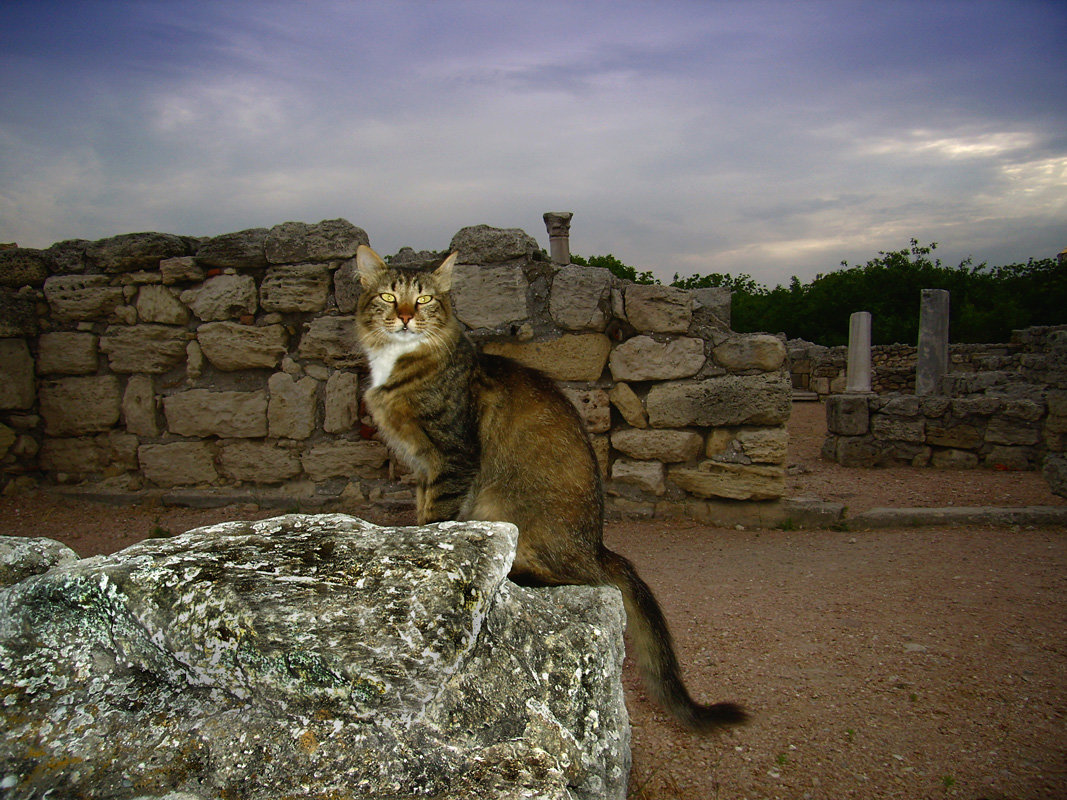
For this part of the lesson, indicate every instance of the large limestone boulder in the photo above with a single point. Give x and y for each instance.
(144, 348)
(489, 297)
(240, 250)
(329, 240)
(295, 287)
(318, 656)
(642, 358)
(232, 346)
(484, 244)
(764, 399)
(81, 297)
(581, 298)
(22, 557)
(67, 353)
(659, 309)
(222, 297)
(201, 412)
(76, 406)
(23, 266)
(135, 251)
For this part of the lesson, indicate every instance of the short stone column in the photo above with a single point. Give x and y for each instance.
(559, 242)
(858, 374)
(932, 362)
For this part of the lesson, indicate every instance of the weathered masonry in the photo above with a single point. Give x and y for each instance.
(227, 370)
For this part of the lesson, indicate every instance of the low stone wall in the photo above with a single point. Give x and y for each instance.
(1011, 414)
(227, 369)
(821, 370)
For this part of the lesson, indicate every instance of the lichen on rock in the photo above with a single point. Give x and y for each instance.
(313, 655)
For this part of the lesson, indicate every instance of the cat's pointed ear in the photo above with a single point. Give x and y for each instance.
(443, 274)
(369, 264)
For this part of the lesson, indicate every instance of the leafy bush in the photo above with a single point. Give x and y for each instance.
(986, 305)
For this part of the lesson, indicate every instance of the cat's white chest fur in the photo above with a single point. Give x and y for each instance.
(383, 359)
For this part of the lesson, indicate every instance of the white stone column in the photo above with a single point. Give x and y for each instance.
(932, 361)
(559, 243)
(858, 375)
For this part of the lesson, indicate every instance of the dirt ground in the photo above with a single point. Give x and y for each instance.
(925, 663)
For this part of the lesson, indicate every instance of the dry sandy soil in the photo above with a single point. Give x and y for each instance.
(925, 663)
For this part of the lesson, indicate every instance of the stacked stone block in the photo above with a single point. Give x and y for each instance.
(820, 369)
(229, 367)
(1009, 411)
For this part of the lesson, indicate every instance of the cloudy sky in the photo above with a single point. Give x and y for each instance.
(767, 138)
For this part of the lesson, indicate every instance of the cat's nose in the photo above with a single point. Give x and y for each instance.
(405, 317)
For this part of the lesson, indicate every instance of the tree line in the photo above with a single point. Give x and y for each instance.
(986, 303)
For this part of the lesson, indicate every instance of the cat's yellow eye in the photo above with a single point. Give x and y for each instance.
(424, 299)
(389, 298)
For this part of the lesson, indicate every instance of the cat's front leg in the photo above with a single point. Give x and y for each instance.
(441, 498)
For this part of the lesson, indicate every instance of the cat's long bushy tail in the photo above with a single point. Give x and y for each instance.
(655, 652)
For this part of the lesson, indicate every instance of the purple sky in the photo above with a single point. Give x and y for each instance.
(767, 138)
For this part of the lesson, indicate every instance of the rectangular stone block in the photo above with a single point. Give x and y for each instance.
(344, 459)
(732, 481)
(291, 412)
(658, 445)
(642, 358)
(151, 349)
(232, 346)
(488, 297)
(764, 399)
(67, 353)
(160, 304)
(234, 415)
(295, 288)
(17, 387)
(897, 428)
(77, 406)
(757, 351)
(581, 298)
(962, 436)
(764, 445)
(847, 414)
(222, 297)
(1012, 432)
(648, 476)
(258, 462)
(109, 453)
(178, 463)
(333, 341)
(342, 402)
(82, 297)
(658, 309)
(139, 406)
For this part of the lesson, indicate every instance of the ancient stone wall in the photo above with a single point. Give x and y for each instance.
(227, 369)
(821, 370)
(1006, 408)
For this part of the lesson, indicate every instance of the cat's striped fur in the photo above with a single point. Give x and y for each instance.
(488, 439)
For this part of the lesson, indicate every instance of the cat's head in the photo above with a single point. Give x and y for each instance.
(403, 305)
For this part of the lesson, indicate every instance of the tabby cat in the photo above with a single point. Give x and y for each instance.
(488, 439)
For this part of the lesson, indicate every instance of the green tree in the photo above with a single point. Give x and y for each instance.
(617, 268)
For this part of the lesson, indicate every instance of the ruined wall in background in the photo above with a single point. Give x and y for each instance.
(1005, 410)
(820, 370)
(227, 370)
